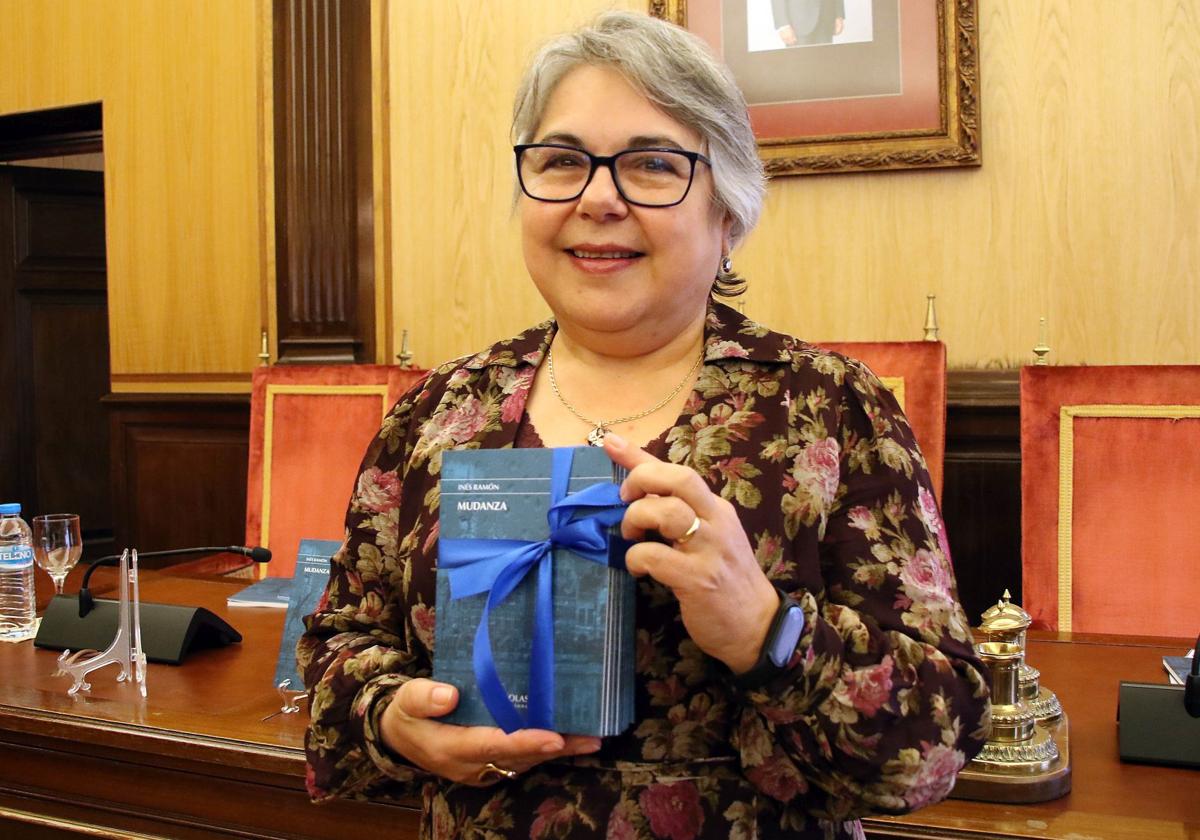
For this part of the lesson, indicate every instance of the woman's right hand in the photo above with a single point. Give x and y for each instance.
(461, 753)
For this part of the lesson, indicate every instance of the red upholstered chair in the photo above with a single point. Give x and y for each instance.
(1110, 498)
(309, 428)
(915, 371)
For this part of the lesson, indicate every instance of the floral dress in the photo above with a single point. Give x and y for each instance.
(884, 699)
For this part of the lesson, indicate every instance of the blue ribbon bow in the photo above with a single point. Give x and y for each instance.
(497, 567)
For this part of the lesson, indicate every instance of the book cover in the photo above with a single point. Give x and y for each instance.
(307, 584)
(1178, 668)
(268, 592)
(505, 494)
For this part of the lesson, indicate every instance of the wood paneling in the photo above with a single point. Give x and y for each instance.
(1084, 210)
(54, 329)
(179, 469)
(981, 502)
(90, 161)
(73, 130)
(1045, 227)
(179, 87)
(458, 279)
(323, 182)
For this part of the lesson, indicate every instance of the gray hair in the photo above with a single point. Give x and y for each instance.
(678, 73)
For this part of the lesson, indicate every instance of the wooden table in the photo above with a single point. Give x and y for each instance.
(1108, 799)
(196, 759)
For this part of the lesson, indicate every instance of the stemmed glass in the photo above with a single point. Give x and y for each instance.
(57, 545)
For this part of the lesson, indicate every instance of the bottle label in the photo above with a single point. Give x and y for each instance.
(15, 556)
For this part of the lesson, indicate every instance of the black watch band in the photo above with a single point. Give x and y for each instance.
(778, 646)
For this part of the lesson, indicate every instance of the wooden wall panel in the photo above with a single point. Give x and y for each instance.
(179, 87)
(91, 162)
(54, 332)
(179, 469)
(1084, 210)
(458, 280)
(324, 234)
(981, 501)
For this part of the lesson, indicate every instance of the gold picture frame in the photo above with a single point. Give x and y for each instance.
(928, 118)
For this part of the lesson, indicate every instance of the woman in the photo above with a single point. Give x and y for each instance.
(802, 659)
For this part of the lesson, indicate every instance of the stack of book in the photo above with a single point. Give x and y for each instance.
(505, 494)
(307, 585)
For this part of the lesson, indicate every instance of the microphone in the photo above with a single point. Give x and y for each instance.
(86, 602)
(169, 631)
(1191, 690)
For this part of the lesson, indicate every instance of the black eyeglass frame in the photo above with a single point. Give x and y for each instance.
(609, 162)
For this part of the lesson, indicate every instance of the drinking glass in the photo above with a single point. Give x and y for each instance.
(57, 545)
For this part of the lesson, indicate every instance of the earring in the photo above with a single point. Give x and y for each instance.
(725, 270)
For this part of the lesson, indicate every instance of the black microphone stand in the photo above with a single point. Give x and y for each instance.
(86, 602)
(169, 631)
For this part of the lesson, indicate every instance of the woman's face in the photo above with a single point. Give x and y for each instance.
(606, 266)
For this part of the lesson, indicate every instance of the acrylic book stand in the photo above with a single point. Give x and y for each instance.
(289, 699)
(126, 647)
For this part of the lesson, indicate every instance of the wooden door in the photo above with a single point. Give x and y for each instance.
(54, 370)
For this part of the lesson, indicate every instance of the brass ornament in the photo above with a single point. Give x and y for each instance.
(931, 324)
(264, 354)
(1041, 349)
(405, 356)
(1027, 756)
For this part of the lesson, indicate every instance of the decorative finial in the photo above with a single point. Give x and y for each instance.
(405, 355)
(931, 325)
(264, 355)
(741, 305)
(1041, 349)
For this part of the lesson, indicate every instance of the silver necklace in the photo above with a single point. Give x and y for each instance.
(599, 427)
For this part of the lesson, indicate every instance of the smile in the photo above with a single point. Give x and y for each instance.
(603, 255)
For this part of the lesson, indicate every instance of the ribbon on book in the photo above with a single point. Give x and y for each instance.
(497, 567)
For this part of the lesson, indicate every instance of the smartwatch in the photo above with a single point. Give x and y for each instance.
(778, 647)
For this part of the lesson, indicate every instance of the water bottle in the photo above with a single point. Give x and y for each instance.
(16, 576)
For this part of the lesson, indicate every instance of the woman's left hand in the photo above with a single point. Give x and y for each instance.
(726, 601)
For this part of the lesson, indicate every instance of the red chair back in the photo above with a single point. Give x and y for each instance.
(1110, 490)
(309, 428)
(915, 371)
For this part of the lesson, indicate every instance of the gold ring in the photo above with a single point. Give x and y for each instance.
(489, 770)
(690, 532)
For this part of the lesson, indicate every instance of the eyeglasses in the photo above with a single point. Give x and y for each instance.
(645, 177)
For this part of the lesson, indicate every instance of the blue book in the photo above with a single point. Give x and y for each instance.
(268, 592)
(1178, 667)
(505, 494)
(307, 585)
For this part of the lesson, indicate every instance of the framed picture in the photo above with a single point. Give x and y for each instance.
(849, 85)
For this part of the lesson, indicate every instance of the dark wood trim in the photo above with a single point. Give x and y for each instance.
(324, 226)
(76, 129)
(991, 387)
(981, 501)
(156, 400)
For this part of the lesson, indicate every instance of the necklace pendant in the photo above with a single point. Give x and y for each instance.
(596, 436)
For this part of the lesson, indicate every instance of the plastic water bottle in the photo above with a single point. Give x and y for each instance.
(16, 576)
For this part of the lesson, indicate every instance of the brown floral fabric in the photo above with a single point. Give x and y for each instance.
(884, 700)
